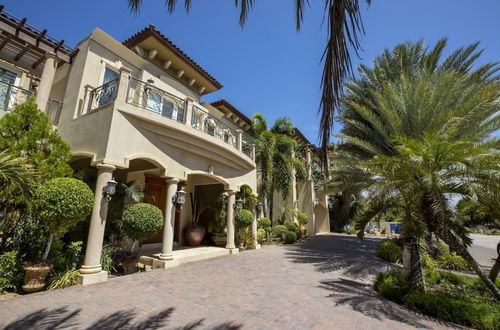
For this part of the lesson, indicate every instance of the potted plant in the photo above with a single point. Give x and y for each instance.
(194, 233)
(59, 204)
(217, 226)
(139, 222)
(243, 220)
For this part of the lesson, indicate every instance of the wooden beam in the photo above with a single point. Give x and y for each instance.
(22, 52)
(59, 44)
(180, 73)
(5, 41)
(40, 36)
(20, 24)
(38, 62)
(201, 90)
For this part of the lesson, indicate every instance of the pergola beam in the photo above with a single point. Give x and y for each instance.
(22, 52)
(38, 62)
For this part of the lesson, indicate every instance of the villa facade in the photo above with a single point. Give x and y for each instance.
(132, 111)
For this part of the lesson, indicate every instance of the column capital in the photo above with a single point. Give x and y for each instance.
(108, 167)
(171, 180)
(230, 192)
(51, 55)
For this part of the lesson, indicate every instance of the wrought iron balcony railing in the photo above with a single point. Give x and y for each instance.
(203, 121)
(247, 147)
(102, 95)
(149, 97)
(11, 95)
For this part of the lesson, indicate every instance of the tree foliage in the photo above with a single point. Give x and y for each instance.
(140, 221)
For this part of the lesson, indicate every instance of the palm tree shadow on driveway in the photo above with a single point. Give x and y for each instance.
(353, 266)
(65, 318)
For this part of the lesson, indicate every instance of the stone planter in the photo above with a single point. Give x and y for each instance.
(34, 277)
(193, 235)
(129, 265)
(219, 239)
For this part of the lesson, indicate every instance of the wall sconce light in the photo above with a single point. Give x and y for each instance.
(109, 189)
(150, 81)
(238, 204)
(259, 207)
(179, 197)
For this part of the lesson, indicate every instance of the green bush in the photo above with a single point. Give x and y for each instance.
(290, 237)
(428, 261)
(390, 251)
(109, 257)
(451, 261)
(64, 280)
(280, 230)
(10, 271)
(141, 221)
(60, 204)
(66, 257)
(303, 218)
(292, 226)
(261, 235)
(456, 298)
(243, 218)
(264, 223)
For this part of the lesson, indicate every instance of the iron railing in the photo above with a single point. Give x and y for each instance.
(149, 97)
(11, 95)
(213, 126)
(103, 95)
(246, 147)
(53, 110)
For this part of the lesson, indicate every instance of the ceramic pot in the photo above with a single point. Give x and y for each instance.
(193, 235)
(219, 239)
(129, 265)
(34, 277)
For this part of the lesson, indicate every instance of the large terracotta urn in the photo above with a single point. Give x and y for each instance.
(194, 234)
(34, 277)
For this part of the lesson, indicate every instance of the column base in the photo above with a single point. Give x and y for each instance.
(166, 257)
(87, 279)
(256, 246)
(164, 264)
(233, 250)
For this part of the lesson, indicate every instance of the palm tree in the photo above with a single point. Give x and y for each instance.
(410, 93)
(276, 160)
(344, 24)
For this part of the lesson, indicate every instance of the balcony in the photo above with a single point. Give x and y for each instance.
(193, 117)
(11, 96)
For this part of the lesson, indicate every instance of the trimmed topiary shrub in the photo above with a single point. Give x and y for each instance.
(140, 221)
(61, 203)
(243, 218)
(389, 250)
(292, 226)
(261, 235)
(264, 223)
(10, 271)
(303, 218)
(290, 237)
(280, 230)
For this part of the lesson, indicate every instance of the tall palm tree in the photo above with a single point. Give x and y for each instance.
(409, 93)
(344, 24)
(276, 159)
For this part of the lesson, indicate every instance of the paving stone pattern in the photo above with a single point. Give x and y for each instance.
(319, 283)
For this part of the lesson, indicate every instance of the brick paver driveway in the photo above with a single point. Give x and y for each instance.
(322, 283)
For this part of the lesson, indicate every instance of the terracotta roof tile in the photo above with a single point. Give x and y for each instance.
(223, 102)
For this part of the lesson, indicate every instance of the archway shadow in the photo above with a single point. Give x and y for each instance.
(65, 318)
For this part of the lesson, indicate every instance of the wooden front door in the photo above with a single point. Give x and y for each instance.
(155, 193)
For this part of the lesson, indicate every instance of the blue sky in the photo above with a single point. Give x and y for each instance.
(268, 67)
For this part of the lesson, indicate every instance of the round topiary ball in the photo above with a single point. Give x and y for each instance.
(264, 223)
(62, 202)
(243, 218)
(141, 221)
(290, 237)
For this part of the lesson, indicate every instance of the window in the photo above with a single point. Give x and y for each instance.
(195, 121)
(8, 91)
(109, 89)
(163, 106)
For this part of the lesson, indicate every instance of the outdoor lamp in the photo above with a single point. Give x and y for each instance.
(109, 189)
(179, 197)
(238, 204)
(259, 207)
(150, 81)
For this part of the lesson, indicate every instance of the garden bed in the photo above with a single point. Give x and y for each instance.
(451, 297)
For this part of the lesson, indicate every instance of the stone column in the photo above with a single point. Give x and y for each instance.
(188, 111)
(91, 271)
(256, 215)
(168, 230)
(239, 139)
(48, 73)
(295, 201)
(231, 197)
(123, 82)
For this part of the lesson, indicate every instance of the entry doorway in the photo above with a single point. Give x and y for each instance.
(155, 192)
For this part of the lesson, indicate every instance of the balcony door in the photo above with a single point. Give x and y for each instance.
(110, 86)
(8, 82)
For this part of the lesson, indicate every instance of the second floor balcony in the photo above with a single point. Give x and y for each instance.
(194, 117)
(11, 96)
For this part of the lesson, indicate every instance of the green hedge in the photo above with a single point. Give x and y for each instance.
(456, 298)
(243, 218)
(10, 271)
(141, 221)
(264, 223)
(290, 237)
(389, 250)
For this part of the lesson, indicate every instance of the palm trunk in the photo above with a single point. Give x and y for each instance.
(494, 271)
(265, 207)
(47, 248)
(412, 267)
(431, 247)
